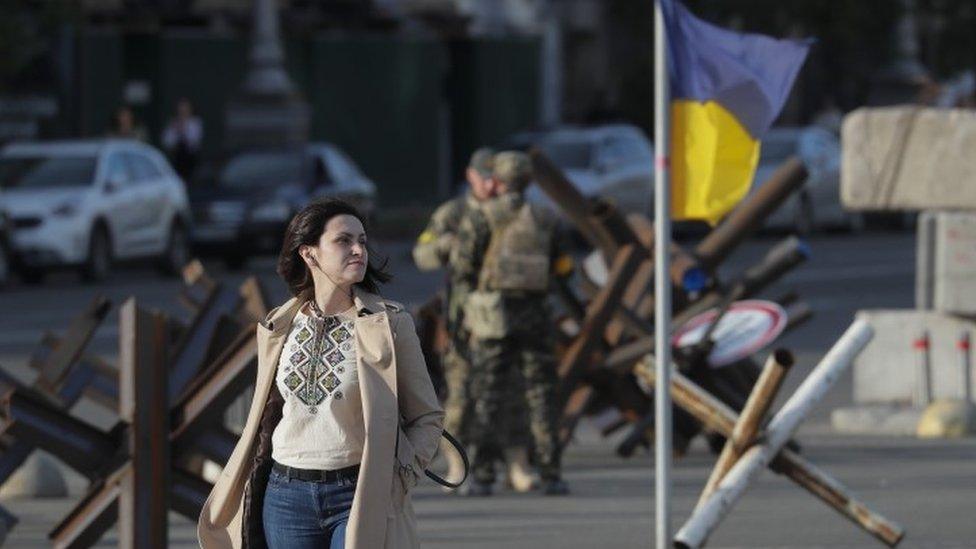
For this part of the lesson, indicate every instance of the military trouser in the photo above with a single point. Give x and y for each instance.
(459, 405)
(531, 354)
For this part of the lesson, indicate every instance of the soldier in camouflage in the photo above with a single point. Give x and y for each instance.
(507, 252)
(431, 252)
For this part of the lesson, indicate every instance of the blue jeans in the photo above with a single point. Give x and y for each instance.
(300, 514)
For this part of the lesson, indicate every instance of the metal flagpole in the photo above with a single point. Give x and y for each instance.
(662, 284)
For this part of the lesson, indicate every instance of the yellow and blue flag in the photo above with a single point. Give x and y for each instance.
(727, 88)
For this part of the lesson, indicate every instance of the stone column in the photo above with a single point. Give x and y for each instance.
(268, 111)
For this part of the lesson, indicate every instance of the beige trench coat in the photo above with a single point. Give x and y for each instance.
(399, 403)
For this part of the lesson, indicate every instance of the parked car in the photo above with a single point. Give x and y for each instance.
(614, 161)
(88, 203)
(244, 205)
(817, 204)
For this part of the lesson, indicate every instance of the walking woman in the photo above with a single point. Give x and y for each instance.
(344, 418)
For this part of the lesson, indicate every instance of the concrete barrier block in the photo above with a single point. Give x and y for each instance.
(879, 419)
(948, 418)
(884, 373)
(909, 158)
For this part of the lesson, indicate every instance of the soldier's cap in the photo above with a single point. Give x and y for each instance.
(512, 168)
(481, 160)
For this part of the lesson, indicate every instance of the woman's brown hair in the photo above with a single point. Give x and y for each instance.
(306, 228)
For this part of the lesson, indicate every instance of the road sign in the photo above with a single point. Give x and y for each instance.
(747, 327)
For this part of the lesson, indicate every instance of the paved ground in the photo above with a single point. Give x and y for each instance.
(930, 487)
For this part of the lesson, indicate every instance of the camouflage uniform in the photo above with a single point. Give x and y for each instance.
(512, 328)
(431, 252)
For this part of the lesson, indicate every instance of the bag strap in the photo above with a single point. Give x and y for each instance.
(464, 457)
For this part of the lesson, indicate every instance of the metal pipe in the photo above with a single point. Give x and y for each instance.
(701, 524)
(786, 255)
(747, 427)
(717, 416)
(751, 213)
(662, 280)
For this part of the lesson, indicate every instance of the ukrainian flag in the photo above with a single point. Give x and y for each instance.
(726, 90)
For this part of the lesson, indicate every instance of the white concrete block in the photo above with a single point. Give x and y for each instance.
(878, 419)
(909, 158)
(884, 372)
(955, 262)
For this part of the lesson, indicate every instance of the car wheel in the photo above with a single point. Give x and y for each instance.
(177, 252)
(99, 262)
(805, 223)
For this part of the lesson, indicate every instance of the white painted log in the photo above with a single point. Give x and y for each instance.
(782, 427)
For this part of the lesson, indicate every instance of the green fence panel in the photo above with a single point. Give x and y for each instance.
(494, 91)
(378, 98)
(100, 81)
(208, 70)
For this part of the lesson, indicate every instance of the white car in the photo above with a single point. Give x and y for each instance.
(88, 203)
(613, 161)
(817, 204)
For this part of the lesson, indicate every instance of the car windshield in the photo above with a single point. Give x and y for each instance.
(569, 154)
(45, 172)
(264, 168)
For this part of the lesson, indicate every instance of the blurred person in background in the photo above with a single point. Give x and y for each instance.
(182, 139)
(431, 252)
(507, 251)
(124, 125)
(344, 419)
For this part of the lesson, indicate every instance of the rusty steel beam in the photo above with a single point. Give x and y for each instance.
(189, 493)
(718, 417)
(682, 262)
(747, 425)
(598, 313)
(216, 388)
(786, 255)
(572, 203)
(90, 376)
(783, 257)
(751, 213)
(144, 406)
(192, 351)
(16, 450)
(216, 443)
(43, 425)
(94, 515)
(76, 337)
(573, 410)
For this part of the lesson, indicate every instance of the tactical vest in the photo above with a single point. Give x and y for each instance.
(518, 257)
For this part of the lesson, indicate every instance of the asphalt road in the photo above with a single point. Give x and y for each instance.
(929, 487)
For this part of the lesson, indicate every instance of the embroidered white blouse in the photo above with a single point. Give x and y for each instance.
(322, 423)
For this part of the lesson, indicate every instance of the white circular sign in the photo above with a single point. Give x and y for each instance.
(747, 327)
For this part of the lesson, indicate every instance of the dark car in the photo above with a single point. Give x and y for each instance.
(242, 207)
